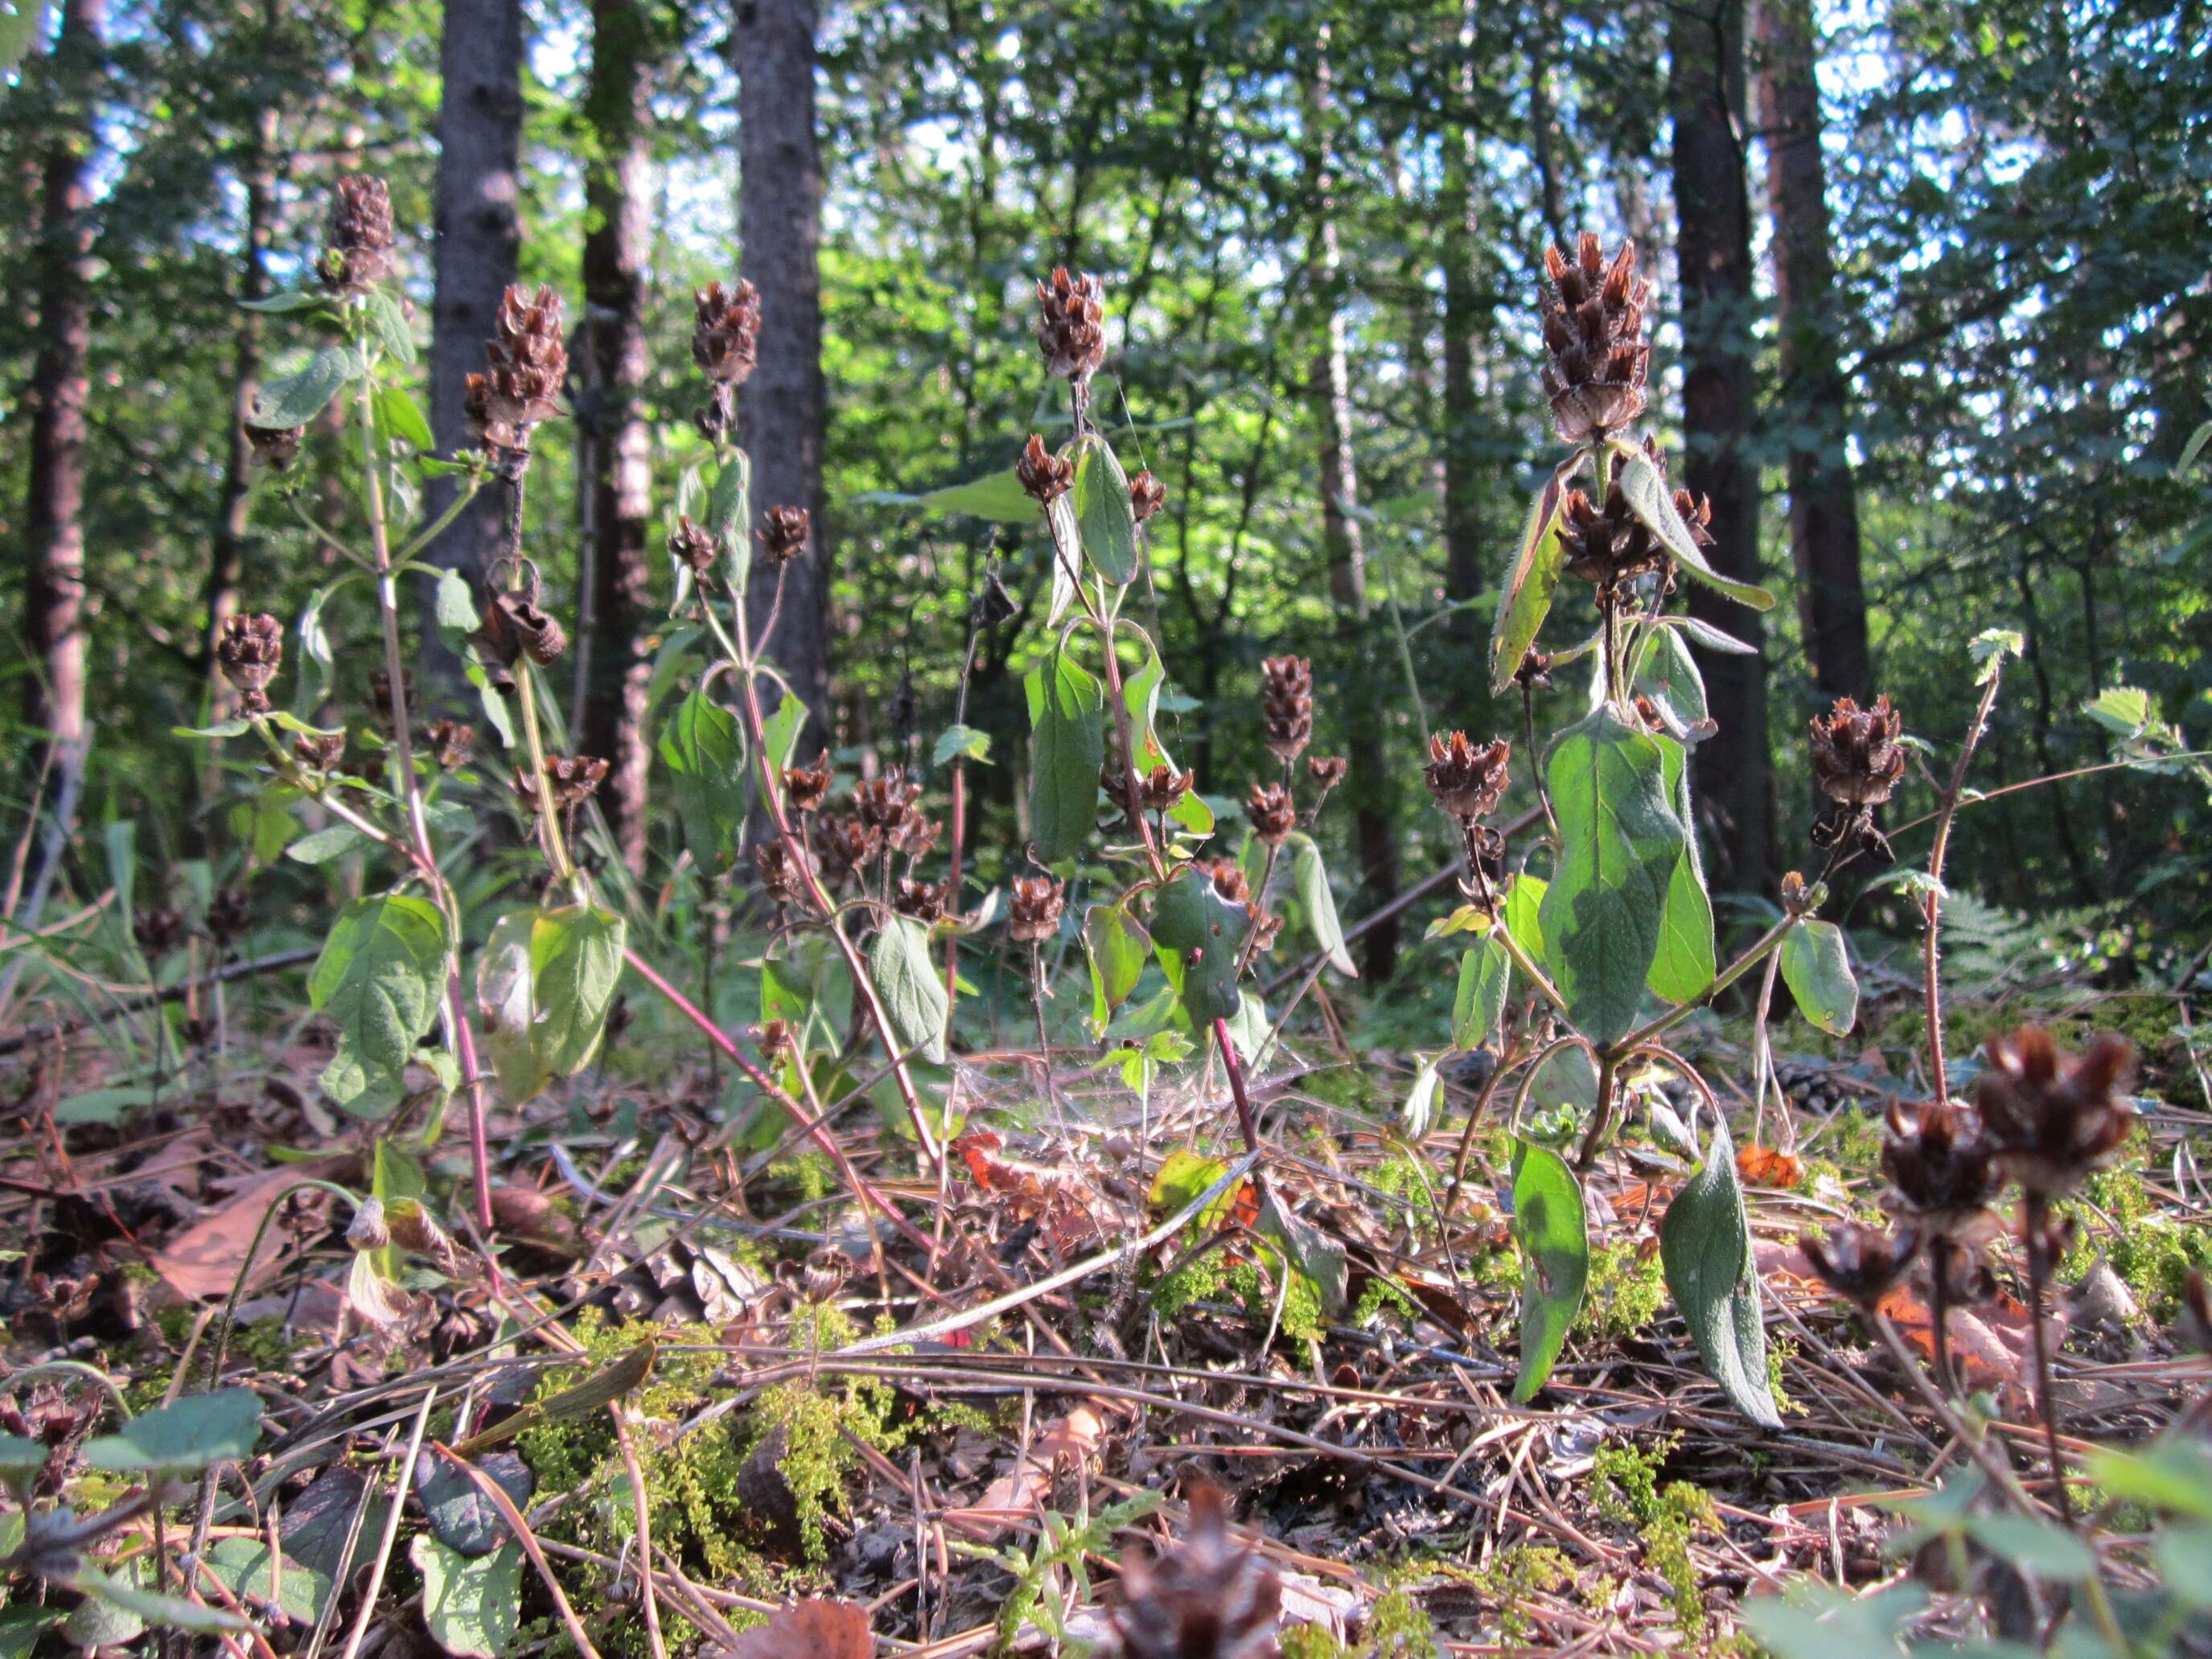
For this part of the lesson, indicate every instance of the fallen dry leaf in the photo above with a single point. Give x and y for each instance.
(204, 1260)
(1765, 1166)
(808, 1630)
(1013, 1495)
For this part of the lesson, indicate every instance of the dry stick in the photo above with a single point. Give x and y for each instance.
(391, 1528)
(138, 1001)
(1937, 1080)
(641, 1503)
(2035, 1214)
(528, 1540)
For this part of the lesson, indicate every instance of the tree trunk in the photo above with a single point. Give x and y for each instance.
(1466, 560)
(1824, 506)
(1734, 771)
(782, 412)
(1369, 779)
(478, 235)
(614, 442)
(53, 583)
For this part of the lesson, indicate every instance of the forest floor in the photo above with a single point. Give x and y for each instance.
(964, 1428)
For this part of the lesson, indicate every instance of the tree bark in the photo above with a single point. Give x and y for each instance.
(1824, 504)
(1733, 772)
(614, 442)
(1466, 560)
(53, 585)
(479, 234)
(1369, 779)
(781, 410)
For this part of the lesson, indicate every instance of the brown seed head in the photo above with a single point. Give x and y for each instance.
(574, 779)
(1207, 1598)
(695, 548)
(525, 361)
(1147, 495)
(1534, 671)
(1272, 813)
(1857, 758)
(1287, 705)
(726, 340)
(1612, 545)
(776, 1043)
(782, 874)
(230, 914)
(1071, 326)
(782, 535)
(1044, 475)
(806, 788)
(1596, 355)
(1940, 1173)
(925, 901)
(885, 803)
(1860, 1263)
(917, 837)
(453, 743)
(2050, 1117)
(358, 251)
(1228, 879)
(319, 754)
(514, 627)
(250, 651)
(1327, 771)
(274, 447)
(849, 845)
(157, 931)
(1033, 908)
(1467, 780)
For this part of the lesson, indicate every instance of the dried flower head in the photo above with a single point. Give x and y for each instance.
(726, 339)
(849, 845)
(695, 548)
(1071, 326)
(157, 931)
(358, 251)
(1611, 546)
(776, 1039)
(1327, 771)
(1467, 779)
(319, 754)
(274, 447)
(1044, 475)
(1033, 908)
(925, 901)
(45, 1415)
(806, 788)
(917, 837)
(574, 779)
(525, 361)
(453, 743)
(1272, 813)
(783, 868)
(230, 914)
(1534, 671)
(250, 650)
(1229, 879)
(1596, 355)
(2050, 1117)
(1859, 1263)
(1208, 1598)
(1147, 495)
(1939, 1169)
(1857, 758)
(782, 535)
(514, 627)
(1287, 705)
(885, 803)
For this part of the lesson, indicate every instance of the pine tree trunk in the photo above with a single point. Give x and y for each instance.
(1368, 782)
(1824, 506)
(53, 583)
(614, 442)
(782, 412)
(1467, 561)
(1734, 771)
(478, 235)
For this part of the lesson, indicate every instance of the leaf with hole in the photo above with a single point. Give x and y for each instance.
(1816, 966)
(1204, 933)
(1704, 1248)
(1552, 1236)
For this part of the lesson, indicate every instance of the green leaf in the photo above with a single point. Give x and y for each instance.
(2123, 710)
(149, 1609)
(962, 743)
(245, 1566)
(296, 399)
(1711, 637)
(1816, 966)
(388, 320)
(1419, 1111)
(730, 518)
(2172, 1474)
(1145, 693)
(2041, 1547)
(1182, 1179)
(1523, 914)
(397, 413)
(1684, 966)
(237, 725)
(472, 1604)
(1067, 744)
(507, 998)
(1704, 1247)
(1205, 934)
(275, 304)
(780, 731)
(1064, 535)
(1651, 500)
(22, 1623)
(1553, 1239)
(183, 1436)
(322, 846)
(1533, 580)
(2184, 1561)
(1812, 1620)
(911, 985)
(704, 749)
(1103, 512)
(463, 1518)
(1620, 843)
(997, 496)
(575, 962)
(1318, 1259)
(1116, 945)
(1990, 648)
(378, 977)
(1666, 673)
(1311, 877)
(1485, 972)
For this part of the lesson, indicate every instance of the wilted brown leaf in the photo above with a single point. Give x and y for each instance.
(204, 1260)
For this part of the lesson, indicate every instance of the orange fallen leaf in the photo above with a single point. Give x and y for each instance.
(1765, 1166)
(808, 1630)
(204, 1260)
(1015, 1493)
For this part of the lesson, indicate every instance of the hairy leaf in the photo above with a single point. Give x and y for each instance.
(1486, 973)
(1103, 512)
(704, 749)
(1652, 499)
(183, 1436)
(1553, 1239)
(378, 977)
(575, 962)
(1310, 876)
(1533, 580)
(472, 1604)
(1684, 965)
(1205, 934)
(1816, 966)
(1116, 945)
(911, 985)
(1704, 1247)
(297, 398)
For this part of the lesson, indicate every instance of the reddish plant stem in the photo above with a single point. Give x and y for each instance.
(2035, 1216)
(1938, 1080)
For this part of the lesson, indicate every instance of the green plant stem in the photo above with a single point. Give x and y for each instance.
(556, 846)
(1601, 1120)
(1760, 948)
(438, 527)
(1762, 1049)
(1938, 1080)
(1504, 935)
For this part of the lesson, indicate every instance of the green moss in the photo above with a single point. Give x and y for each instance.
(1509, 1579)
(1396, 1628)
(814, 1176)
(1626, 1291)
(2152, 1252)
(1629, 1493)
(1195, 1280)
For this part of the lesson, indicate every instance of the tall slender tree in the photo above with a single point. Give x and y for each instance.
(478, 230)
(1712, 211)
(1814, 394)
(782, 412)
(613, 440)
(53, 526)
